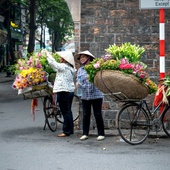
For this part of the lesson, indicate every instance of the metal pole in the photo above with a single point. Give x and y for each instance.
(162, 42)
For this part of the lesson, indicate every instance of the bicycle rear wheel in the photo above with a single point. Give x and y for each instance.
(75, 110)
(50, 115)
(133, 124)
(166, 121)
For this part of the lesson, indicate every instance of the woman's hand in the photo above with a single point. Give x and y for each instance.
(45, 52)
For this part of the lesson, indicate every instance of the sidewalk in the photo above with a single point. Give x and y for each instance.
(4, 78)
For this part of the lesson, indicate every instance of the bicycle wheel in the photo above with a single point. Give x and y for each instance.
(133, 124)
(50, 115)
(75, 110)
(166, 121)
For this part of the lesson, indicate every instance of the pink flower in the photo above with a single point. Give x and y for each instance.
(142, 74)
(37, 62)
(124, 61)
(96, 65)
(20, 62)
(126, 66)
(138, 67)
(39, 54)
(21, 68)
(29, 62)
(39, 66)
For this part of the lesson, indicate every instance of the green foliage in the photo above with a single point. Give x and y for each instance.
(53, 14)
(126, 50)
(91, 69)
(46, 66)
(167, 83)
(56, 15)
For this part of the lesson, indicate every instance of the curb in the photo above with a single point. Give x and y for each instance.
(4, 78)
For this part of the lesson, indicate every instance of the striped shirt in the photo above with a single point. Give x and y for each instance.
(89, 90)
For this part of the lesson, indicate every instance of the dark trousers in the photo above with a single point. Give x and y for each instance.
(97, 110)
(65, 102)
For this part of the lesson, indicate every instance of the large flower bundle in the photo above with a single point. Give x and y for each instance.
(125, 58)
(32, 71)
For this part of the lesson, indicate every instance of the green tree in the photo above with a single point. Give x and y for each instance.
(56, 16)
(51, 13)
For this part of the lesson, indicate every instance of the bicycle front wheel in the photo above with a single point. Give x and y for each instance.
(50, 115)
(133, 124)
(166, 121)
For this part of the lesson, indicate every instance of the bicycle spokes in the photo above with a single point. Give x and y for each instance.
(133, 124)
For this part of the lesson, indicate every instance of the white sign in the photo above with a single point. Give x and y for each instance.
(154, 4)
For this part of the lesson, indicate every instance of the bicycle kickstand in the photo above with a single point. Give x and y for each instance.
(45, 125)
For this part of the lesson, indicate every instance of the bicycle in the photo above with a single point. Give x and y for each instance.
(135, 120)
(53, 114)
(51, 109)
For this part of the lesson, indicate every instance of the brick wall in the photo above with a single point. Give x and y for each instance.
(105, 22)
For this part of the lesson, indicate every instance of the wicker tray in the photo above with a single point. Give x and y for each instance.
(111, 81)
(37, 91)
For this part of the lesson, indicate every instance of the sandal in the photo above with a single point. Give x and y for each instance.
(61, 135)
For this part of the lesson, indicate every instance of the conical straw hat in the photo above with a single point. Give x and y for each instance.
(68, 56)
(77, 57)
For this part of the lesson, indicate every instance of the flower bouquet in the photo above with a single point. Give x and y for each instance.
(120, 70)
(32, 75)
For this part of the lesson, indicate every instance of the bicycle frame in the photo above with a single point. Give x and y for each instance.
(150, 113)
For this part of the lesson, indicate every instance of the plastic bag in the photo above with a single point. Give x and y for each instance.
(160, 96)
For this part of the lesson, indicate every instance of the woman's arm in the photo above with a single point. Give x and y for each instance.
(54, 65)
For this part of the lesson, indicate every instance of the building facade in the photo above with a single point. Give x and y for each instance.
(11, 28)
(108, 22)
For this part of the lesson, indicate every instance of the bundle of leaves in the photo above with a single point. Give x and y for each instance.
(127, 50)
(45, 65)
(166, 82)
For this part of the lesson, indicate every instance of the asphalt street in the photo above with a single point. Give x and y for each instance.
(24, 145)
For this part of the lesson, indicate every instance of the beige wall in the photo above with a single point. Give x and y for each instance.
(75, 9)
(74, 6)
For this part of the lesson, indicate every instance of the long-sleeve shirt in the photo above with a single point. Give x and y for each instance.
(64, 80)
(89, 90)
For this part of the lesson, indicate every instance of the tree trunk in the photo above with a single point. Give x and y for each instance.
(56, 42)
(31, 43)
(11, 56)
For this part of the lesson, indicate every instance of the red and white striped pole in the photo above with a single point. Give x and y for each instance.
(162, 46)
(162, 42)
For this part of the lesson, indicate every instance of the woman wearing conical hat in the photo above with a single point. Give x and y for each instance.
(64, 86)
(91, 97)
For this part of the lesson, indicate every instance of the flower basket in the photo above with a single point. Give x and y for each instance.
(38, 91)
(111, 81)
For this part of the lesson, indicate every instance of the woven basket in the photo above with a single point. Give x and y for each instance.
(37, 91)
(111, 81)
